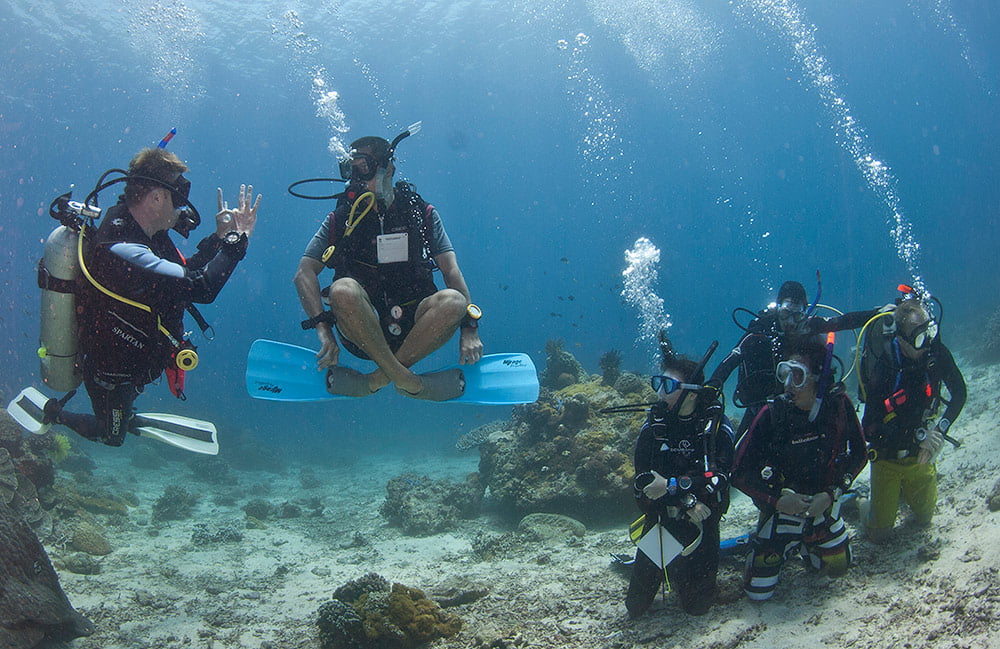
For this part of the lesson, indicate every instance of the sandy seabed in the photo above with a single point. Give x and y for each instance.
(937, 587)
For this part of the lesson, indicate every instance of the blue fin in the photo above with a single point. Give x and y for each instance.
(282, 372)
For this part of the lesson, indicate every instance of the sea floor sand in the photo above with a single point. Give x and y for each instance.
(936, 587)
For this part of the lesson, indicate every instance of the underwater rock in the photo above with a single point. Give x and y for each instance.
(8, 477)
(33, 606)
(81, 563)
(213, 470)
(629, 383)
(993, 500)
(88, 537)
(551, 527)
(457, 591)
(175, 504)
(225, 533)
(422, 506)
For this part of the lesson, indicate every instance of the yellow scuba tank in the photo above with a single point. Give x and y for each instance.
(58, 271)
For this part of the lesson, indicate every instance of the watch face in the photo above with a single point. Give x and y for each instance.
(231, 237)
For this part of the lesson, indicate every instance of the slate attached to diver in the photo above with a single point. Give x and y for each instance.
(114, 295)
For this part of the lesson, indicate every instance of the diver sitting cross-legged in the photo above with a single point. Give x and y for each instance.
(383, 242)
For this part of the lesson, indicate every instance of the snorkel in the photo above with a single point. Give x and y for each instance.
(346, 171)
(824, 378)
(819, 292)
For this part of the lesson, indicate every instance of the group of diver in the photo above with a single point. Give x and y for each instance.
(115, 290)
(798, 448)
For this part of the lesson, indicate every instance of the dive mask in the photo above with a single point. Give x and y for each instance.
(792, 374)
(664, 385)
(187, 216)
(922, 336)
(360, 167)
(791, 312)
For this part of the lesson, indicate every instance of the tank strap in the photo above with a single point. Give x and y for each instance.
(47, 282)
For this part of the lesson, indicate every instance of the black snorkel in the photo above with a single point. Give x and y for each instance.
(819, 292)
(667, 351)
(344, 166)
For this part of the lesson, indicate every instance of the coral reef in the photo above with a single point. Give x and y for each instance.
(478, 435)
(340, 626)
(561, 367)
(380, 617)
(559, 455)
(259, 508)
(175, 504)
(213, 470)
(611, 366)
(352, 591)
(422, 506)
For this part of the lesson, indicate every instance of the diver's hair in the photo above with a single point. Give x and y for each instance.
(155, 163)
(910, 313)
(812, 352)
(378, 147)
(678, 364)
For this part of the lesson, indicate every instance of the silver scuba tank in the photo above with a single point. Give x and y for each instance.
(58, 272)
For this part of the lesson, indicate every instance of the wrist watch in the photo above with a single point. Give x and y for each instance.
(231, 238)
(472, 315)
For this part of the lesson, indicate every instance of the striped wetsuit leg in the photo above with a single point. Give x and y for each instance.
(777, 538)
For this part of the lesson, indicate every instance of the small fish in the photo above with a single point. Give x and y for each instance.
(570, 298)
(564, 260)
(555, 315)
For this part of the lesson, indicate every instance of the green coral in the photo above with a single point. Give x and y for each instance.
(60, 448)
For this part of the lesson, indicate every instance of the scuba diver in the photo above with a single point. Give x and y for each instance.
(903, 366)
(682, 461)
(383, 243)
(782, 325)
(120, 291)
(802, 451)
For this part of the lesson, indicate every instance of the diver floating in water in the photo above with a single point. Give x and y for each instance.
(114, 297)
(383, 242)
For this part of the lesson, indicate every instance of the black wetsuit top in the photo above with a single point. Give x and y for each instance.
(676, 447)
(120, 341)
(899, 390)
(762, 347)
(783, 449)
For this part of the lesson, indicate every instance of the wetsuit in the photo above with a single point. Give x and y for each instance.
(762, 347)
(784, 450)
(124, 346)
(402, 284)
(902, 395)
(677, 447)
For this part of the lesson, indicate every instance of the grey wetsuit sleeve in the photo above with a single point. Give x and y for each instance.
(440, 243)
(320, 242)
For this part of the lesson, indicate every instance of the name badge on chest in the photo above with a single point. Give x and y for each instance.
(393, 248)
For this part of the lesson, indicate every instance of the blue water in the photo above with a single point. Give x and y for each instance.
(554, 135)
